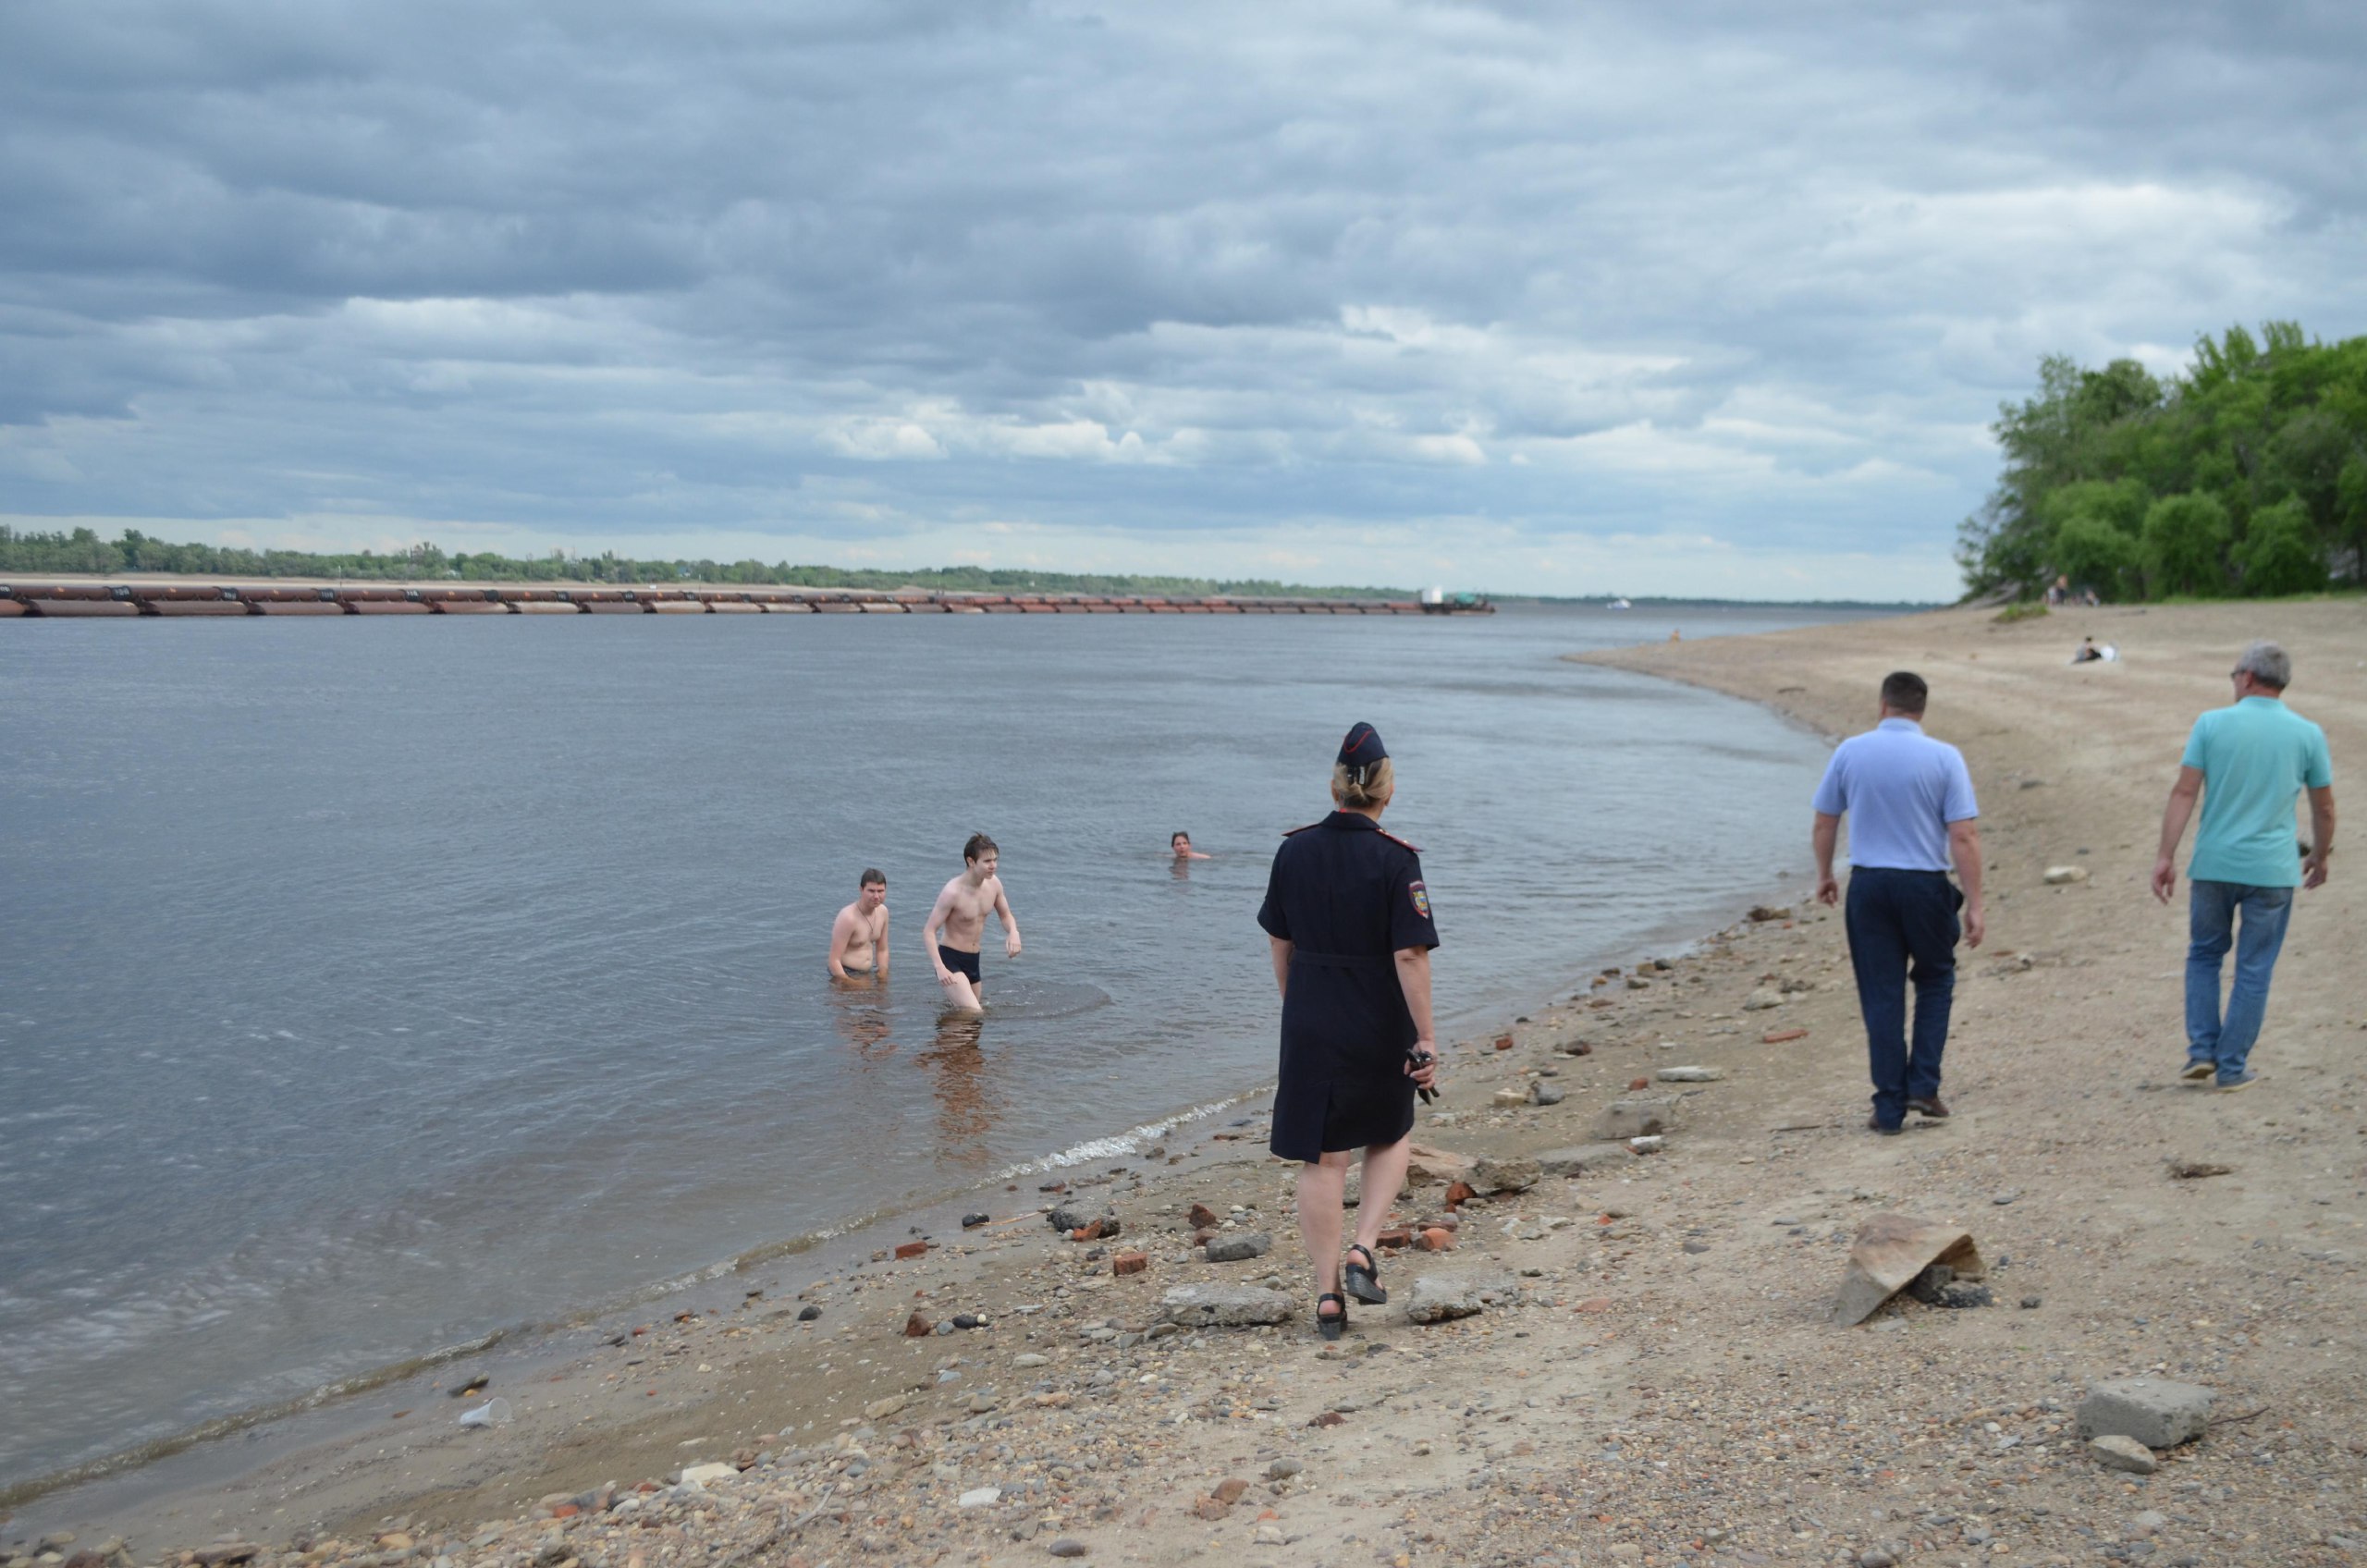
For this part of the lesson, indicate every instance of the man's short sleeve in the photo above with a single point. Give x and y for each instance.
(1832, 790)
(1410, 923)
(1959, 805)
(1270, 914)
(2317, 773)
(2197, 745)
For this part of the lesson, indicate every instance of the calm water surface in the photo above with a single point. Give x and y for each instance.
(367, 985)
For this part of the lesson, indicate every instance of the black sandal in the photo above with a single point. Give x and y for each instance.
(1331, 1328)
(1364, 1279)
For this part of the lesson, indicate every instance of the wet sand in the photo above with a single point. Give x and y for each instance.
(1657, 1380)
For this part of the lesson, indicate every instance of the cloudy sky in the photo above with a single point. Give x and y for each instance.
(1655, 298)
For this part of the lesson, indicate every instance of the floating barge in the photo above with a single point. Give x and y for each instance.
(124, 600)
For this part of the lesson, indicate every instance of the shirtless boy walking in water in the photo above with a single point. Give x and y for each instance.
(859, 936)
(961, 912)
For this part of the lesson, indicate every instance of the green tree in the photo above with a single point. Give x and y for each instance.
(2281, 554)
(2094, 553)
(2185, 545)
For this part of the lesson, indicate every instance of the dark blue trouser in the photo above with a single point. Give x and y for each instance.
(1903, 927)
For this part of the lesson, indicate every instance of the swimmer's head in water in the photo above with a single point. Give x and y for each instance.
(1179, 841)
(979, 848)
(871, 891)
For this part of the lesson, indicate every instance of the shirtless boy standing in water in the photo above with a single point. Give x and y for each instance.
(961, 909)
(859, 936)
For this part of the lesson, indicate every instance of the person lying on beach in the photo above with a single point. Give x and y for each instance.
(859, 935)
(1180, 843)
(960, 914)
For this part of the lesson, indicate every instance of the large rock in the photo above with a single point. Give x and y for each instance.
(1579, 1160)
(1890, 1251)
(1225, 1306)
(1239, 1247)
(1507, 1173)
(1635, 1117)
(1691, 1074)
(1440, 1298)
(1436, 1167)
(1762, 999)
(2157, 1412)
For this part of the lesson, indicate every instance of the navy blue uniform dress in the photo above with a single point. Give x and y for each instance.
(1347, 897)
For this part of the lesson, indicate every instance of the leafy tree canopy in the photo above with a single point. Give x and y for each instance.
(2245, 475)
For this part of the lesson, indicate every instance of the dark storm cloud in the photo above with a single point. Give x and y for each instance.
(862, 272)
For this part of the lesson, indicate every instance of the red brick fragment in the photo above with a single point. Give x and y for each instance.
(1639, 1084)
(1777, 1037)
(1397, 1236)
(1503, 1041)
(1202, 1216)
(1436, 1238)
(1209, 1508)
(918, 1328)
(1329, 1418)
(1086, 1232)
(1460, 1193)
(1129, 1263)
(911, 1249)
(1229, 1490)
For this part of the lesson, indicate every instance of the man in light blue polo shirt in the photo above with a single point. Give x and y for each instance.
(2248, 763)
(1910, 808)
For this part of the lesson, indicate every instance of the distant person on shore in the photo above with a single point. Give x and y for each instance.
(1911, 807)
(859, 936)
(960, 915)
(2250, 762)
(2087, 652)
(1348, 922)
(1180, 843)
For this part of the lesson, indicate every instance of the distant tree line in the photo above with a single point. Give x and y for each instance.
(83, 552)
(2246, 476)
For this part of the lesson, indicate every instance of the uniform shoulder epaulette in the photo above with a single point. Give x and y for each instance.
(1294, 832)
(1398, 841)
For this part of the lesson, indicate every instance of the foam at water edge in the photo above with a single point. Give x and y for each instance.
(1131, 1141)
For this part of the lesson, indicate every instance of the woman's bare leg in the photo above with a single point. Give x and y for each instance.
(1384, 1177)
(1322, 1193)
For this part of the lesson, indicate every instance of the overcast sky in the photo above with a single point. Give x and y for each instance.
(1659, 298)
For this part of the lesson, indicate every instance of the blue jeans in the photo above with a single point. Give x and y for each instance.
(2210, 930)
(1902, 927)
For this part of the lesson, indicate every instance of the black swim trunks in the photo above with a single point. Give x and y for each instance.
(960, 962)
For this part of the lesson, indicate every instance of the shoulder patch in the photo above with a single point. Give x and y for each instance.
(1398, 842)
(1421, 897)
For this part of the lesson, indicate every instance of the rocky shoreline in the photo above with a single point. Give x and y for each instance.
(1611, 1334)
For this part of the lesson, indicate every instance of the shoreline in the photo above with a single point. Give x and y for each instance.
(1653, 1379)
(141, 1481)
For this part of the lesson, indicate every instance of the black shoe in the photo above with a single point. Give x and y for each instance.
(1932, 1106)
(1331, 1328)
(1364, 1279)
(1874, 1124)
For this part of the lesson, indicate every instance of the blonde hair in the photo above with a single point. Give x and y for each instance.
(1381, 782)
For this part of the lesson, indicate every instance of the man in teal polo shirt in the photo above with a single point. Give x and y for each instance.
(2248, 763)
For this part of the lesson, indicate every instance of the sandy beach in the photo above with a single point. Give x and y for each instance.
(1650, 1375)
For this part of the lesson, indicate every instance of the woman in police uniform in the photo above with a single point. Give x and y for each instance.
(1350, 923)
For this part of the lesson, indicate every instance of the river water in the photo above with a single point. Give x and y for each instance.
(369, 985)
